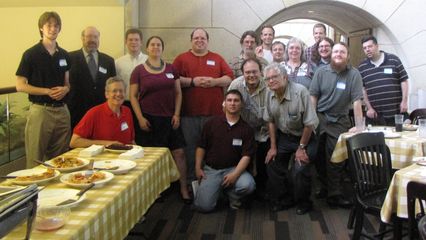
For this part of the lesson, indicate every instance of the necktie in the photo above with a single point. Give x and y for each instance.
(92, 66)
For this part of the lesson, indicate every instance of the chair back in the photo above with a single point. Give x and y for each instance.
(369, 162)
(419, 113)
(416, 192)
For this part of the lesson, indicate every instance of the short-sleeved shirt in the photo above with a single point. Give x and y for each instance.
(101, 123)
(124, 66)
(156, 90)
(254, 106)
(198, 101)
(236, 63)
(336, 91)
(293, 112)
(302, 74)
(44, 70)
(383, 84)
(224, 144)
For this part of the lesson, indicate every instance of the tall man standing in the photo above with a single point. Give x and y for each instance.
(267, 35)
(311, 53)
(89, 71)
(43, 74)
(385, 84)
(134, 56)
(203, 75)
(292, 120)
(333, 89)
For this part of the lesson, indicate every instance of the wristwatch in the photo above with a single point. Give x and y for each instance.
(302, 146)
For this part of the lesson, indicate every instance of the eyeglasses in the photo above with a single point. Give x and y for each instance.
(273, 77)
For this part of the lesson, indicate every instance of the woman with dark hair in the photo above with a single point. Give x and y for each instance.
(156, 98)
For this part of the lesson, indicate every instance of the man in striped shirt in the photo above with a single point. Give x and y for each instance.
(385, 84)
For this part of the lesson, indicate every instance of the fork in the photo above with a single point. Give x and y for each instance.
(79, 194)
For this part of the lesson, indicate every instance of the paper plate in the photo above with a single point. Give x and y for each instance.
(420, 161)
(53, 196)
(392, 134)
(108, 177)
(123, 165)
(29, 172)
(410, 127)
(70, 169)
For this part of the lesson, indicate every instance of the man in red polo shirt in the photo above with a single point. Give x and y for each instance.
(107, 123)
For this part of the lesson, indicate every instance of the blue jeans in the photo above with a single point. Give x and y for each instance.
(209, 190)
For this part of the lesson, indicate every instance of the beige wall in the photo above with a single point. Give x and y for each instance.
(20, 31)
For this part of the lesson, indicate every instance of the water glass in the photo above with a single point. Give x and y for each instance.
(422, 128)
(399, 120)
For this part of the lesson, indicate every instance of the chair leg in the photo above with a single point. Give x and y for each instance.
(359, 220)
(351, 218)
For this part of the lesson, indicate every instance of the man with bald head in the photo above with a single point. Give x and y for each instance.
(89, 71)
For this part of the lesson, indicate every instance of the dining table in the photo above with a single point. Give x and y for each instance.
(112, 210)
(404, 146)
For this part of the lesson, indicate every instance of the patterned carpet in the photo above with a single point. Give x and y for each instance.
(169, 218)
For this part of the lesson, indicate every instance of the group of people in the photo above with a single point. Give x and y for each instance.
(272, 112)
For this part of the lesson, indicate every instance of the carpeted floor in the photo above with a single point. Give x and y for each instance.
(169, 218)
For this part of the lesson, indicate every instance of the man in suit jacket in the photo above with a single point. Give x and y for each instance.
(89, 71)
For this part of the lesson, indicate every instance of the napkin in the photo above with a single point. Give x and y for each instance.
(91, 151)
(132, 154)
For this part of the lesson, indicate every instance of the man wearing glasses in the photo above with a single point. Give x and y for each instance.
(292, 120)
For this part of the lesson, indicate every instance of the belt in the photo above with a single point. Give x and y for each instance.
(57, 104)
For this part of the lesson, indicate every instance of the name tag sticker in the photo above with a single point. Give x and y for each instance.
(170, 75)
(211, 62)
(387, 71)
(102, 70)
(237, 142)
(124, 126)
(63, 62)
(341, 85)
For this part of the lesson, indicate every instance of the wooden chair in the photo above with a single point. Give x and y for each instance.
(415, 192)
(417, 114)
(370, 167)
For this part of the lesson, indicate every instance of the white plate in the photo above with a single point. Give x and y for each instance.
(70, 169)
(118, 151)
(392, 135)
(5, 190)
(53, 196)
(108, 177)
(29, 172)
(420, 160)
(123, 165)
(410, 127)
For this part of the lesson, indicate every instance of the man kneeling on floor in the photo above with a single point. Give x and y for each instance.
(224, 151)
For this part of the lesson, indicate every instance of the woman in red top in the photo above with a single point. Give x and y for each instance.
(156, 98)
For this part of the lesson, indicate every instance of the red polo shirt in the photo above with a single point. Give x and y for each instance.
(101, 123)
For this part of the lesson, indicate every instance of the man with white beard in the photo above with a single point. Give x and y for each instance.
(333, 89)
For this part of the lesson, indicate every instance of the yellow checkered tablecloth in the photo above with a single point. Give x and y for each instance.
(396, 197)
(403, 149)
(109, 212)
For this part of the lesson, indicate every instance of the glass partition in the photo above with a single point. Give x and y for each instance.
(13, 110)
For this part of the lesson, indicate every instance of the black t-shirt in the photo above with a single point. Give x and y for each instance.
(44, 70)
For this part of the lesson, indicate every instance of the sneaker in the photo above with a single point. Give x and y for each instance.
(234, 204)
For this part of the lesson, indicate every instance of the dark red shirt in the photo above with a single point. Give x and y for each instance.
(225, 145)
(156, 91)
(101, 123)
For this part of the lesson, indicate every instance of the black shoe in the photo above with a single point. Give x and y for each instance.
(303, 208)
(321, 193)
(339, 201)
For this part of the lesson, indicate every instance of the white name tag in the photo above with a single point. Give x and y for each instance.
(124, 126)
(211, 62)
(387, 71)
(341, 85)
(102, 70)
(170, 75)
(63, 62)
(237, 142)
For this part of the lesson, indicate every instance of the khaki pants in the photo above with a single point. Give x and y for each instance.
(47, 133)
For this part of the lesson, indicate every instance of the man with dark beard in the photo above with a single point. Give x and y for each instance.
(333, 89)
